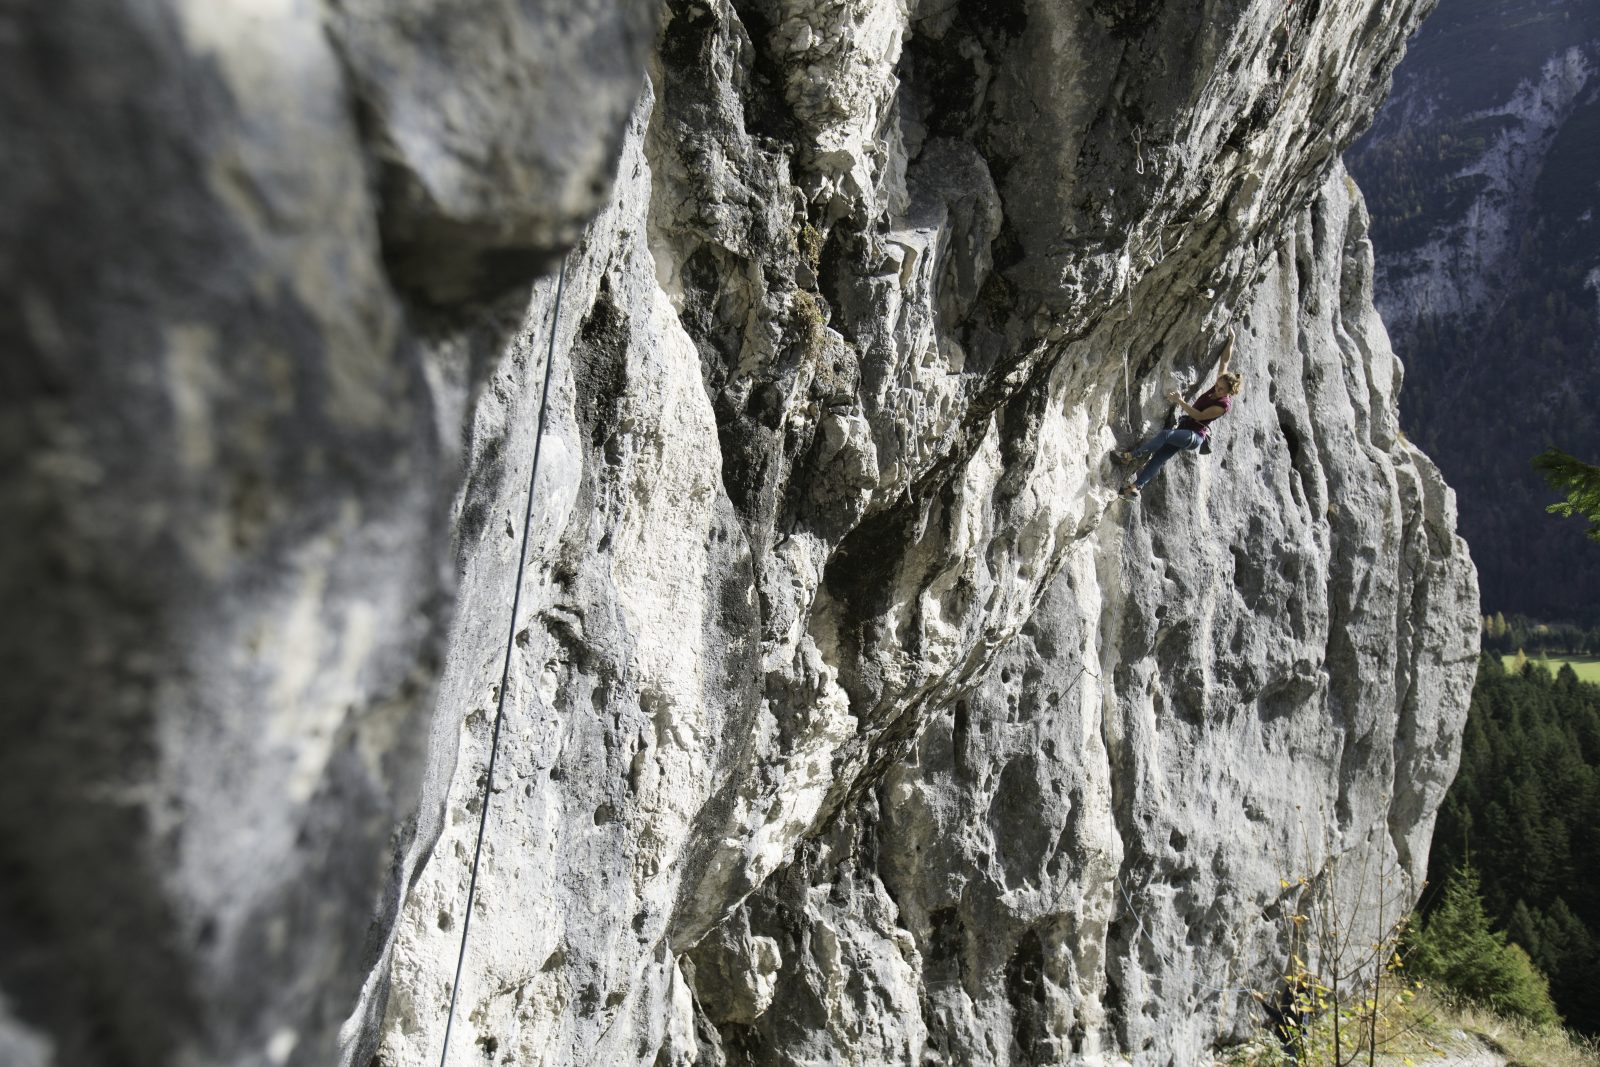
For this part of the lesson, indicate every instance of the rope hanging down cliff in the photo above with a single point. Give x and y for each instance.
(505, 667)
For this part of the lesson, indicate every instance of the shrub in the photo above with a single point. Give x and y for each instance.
(1456, 948)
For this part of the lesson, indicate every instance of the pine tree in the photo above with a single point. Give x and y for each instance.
(1527, 991)
(1572, 965)
(1526, 805)
(1456, 948)
(1579, 480)
(1490, 666)
(1523, 929)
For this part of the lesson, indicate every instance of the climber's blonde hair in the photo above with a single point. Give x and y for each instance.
(1235, 381)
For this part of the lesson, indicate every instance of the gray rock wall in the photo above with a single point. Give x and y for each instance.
(228, 447)
(1225, 691)
(850, 717)
(762, 592)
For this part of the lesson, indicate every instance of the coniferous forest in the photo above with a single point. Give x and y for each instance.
(1538, 639)
(1525, 813)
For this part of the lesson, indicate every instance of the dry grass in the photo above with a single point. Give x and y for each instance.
(1519, 1042)
(1425, 1029)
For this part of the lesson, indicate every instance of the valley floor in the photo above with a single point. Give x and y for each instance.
(1586, 667)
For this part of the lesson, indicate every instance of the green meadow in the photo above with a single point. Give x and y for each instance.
(1587, 667)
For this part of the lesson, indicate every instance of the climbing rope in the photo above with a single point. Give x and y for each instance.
(1127, 392)
(505, 667)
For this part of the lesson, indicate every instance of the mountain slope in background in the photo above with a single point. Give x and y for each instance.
(1482, 173)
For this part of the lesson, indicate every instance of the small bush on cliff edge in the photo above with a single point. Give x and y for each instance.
(1343, 995)
(1456, 950)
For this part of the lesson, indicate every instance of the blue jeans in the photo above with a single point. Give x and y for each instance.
(1162, 447)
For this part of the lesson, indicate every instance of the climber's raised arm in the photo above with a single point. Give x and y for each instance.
(1227, 354)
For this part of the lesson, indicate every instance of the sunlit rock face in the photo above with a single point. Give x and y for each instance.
(1223, 691)
(850, 716)
(1013, 770)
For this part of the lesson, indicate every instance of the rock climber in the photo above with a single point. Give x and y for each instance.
(1192, 429)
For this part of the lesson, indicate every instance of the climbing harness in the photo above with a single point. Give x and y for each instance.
(505, 667)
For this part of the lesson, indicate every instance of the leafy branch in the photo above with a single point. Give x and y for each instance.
(1579, 480)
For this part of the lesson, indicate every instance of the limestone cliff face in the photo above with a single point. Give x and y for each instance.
(1227, 690)
(850, 717)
